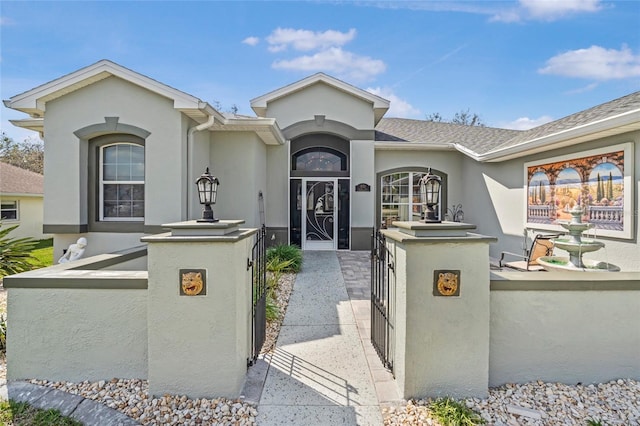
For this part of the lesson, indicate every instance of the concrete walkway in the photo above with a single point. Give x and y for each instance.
(319, 373)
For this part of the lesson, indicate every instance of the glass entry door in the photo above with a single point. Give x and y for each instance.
(319, 225)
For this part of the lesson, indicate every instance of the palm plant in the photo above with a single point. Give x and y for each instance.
(15, 253)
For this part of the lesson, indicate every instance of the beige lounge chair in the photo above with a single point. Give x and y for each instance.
(542, 246)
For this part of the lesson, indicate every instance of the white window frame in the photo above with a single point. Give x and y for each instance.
(16, 208)
(410, 204)
(102, 182)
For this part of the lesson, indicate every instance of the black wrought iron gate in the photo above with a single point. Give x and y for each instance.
(258, 266)
(383, 284)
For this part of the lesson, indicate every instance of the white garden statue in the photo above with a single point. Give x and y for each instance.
(75, 251)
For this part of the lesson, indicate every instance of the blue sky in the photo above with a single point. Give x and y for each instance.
(515, 63)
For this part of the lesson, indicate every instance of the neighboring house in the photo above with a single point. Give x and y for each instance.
(21, 193)
(319, 164)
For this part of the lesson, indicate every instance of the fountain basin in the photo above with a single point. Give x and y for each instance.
(583, 246)
(563, 263)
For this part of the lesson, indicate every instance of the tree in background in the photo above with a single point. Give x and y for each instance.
(463, 117)
(28, 154)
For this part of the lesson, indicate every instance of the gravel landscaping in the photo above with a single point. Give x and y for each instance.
(541, 404)
(132, 398)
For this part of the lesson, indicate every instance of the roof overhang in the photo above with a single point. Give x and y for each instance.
(35, 124)
(266, 128)
(611, 126)
(33, 102)
(380, 105)
(413, 146)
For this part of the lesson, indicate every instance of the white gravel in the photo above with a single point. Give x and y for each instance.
(131, 396)
(541, 404)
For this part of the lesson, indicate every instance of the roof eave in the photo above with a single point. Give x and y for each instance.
(259, 104)
(610, 126)
(34, 101)
(413, 146)
(267, 129)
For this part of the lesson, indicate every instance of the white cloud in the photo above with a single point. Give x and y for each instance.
(594, 63)
(337, 61)
(251, 41)
(554, 9)
(305, 40)
(398, 107)
(526, 123)
(545, 10)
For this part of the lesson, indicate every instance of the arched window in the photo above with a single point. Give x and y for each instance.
(399, 196)
(121, 182)
(319, 159)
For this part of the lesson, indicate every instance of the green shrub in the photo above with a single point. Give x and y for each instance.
(595, 423)
(15, 253)
(450, 412)
(272, 309)
(278, 255)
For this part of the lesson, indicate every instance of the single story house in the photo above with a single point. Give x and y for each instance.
(21, 201)
(320, 165)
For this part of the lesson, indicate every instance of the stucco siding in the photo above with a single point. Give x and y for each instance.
(495, 194)
(362, 171)
(66, 187)
(238, 160)
(564, 336)
(30, 216)
(278, 165)
(321, 99)
(76, 335)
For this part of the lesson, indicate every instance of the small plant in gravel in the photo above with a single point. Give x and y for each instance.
(450, 412)
(21, 413)
(279, 254)
(3, 334)
(592, 422)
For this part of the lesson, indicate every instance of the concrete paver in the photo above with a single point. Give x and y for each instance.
(319, 373)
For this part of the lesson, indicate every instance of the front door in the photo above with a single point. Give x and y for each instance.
(319, 226)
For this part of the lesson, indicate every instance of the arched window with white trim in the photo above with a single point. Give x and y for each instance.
(121, 182)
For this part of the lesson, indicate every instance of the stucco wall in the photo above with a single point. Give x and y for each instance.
(239, 161)
(277, 180)
(494, 199)
(97, 242)
(65, 187)
(564, 336)
(199, 345)
(30, 214)
(76, 334)
(362, 171)
(321, 99)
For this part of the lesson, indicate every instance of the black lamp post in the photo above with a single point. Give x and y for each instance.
(207, 193)
(430, 196)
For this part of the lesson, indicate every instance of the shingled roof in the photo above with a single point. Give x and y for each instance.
(476, 138)
(17, 181)
(484, 140)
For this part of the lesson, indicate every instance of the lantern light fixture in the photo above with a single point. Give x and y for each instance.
(430, 186)
(207, 194)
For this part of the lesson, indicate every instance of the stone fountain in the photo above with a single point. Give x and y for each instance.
(576, 246)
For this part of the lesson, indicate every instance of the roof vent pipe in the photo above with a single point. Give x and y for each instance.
(206, 125)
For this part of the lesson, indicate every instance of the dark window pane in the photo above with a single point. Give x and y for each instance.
(110, 192)
(110, 209)
(124, 209)
(138, 209)
(138, 192)
(124, 192)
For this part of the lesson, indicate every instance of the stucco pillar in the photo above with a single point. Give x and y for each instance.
(441, 341)
(199, 334)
